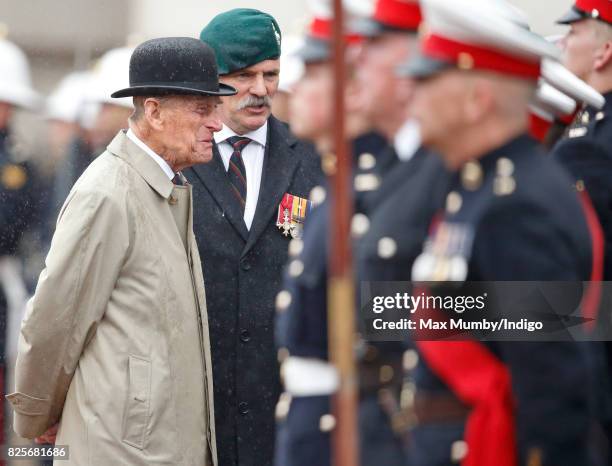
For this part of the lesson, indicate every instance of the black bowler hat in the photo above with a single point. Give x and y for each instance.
(174, 65)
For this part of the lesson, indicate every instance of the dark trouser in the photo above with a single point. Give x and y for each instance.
(379, 444)
(430, 444)
(300, 441)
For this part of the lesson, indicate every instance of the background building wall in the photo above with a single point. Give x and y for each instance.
(59, 36)
(67, 35)
(150, 17)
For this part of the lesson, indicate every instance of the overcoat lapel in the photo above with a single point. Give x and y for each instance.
(214, 178)
(280, 164)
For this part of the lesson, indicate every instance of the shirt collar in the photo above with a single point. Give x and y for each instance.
(161, 162)
(260, 135)
(407, 140)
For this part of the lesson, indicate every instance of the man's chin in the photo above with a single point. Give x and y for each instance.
(203, 157)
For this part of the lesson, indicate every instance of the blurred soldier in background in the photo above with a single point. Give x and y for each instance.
(510, 214)
(395, 218)
(96, 118)
(304, 408)
(390, 35)
(587, 150)
(391, 236)
(20, 202)
(291, 69)
(65, 113)
(69, 116)
(111, 70)
(393, 222)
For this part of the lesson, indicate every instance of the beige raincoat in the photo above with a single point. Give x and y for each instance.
(114, 344)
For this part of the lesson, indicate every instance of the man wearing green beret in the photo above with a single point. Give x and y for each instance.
(248, 204)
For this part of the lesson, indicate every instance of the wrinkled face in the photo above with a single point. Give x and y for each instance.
(580, 47)
(310, 105)
(438, 107)
(188, 124)
(383, 95)
(250, 108)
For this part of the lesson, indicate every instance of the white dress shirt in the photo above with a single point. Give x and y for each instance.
(253, 158)
(407, 140)
(161, 162)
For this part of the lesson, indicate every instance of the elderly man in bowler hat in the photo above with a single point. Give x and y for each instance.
(248, 203)
(114, 346)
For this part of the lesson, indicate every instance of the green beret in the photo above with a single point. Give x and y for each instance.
(241, 38)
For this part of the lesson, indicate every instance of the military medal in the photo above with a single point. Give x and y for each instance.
(446, 253)
(13, 177)
(292, 212)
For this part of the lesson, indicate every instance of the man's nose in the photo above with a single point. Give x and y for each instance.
(259, 87)
(214, 124)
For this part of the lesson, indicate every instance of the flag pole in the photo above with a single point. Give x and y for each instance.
(341, 294)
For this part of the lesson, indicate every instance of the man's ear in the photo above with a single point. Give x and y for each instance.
(153, 113)
(603, 56)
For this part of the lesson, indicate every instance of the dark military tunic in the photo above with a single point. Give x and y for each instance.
(587, 153)
(400, 213)
(519, 219)
(21, 199)
(20, 205)
(17, 195)
(304, 435)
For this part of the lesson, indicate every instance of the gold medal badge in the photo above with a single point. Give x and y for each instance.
(13, 177)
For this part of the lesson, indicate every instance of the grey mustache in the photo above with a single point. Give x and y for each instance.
(251, 101)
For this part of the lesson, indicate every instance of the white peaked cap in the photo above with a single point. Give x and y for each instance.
(291, 66)
(486, 23)
(494, 28)
(67, 101)
(112, 72)
(511, 12)
(549, 102)
(555, 38)
(15, 80)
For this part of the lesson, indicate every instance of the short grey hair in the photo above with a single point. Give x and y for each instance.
(139, 101)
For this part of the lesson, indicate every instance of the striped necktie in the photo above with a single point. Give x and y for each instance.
(236, 171)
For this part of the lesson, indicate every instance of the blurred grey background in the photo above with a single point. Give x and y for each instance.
(67, 35)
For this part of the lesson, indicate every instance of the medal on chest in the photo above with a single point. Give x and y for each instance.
(292, 212)
(446, 253)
